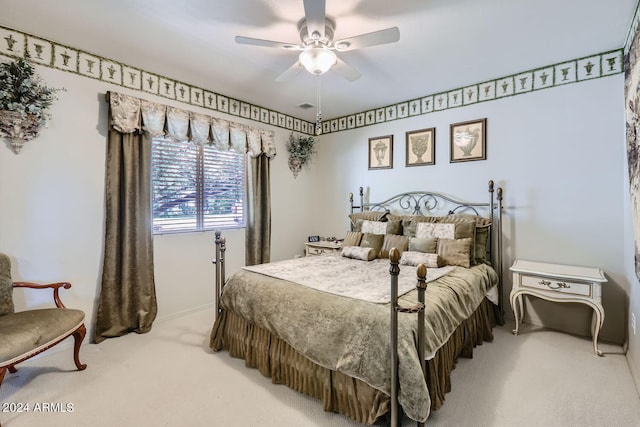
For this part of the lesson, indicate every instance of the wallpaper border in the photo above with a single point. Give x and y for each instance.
(572, 71)
(14, 43)
(56, 55)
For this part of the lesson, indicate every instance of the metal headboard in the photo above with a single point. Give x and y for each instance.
(429, 203)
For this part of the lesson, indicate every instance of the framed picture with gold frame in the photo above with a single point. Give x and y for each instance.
(381, 152)
(421, 147)
(468, 141)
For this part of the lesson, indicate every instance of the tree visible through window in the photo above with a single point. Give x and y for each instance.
(196, 188)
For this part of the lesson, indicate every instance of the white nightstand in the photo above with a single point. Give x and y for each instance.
(559, 283)
(322, 247)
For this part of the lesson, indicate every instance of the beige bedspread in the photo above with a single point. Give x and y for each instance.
(368, 280)
(352, 336)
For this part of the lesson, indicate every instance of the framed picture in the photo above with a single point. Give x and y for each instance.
(381, 152)
(468, 141)
(421, 147)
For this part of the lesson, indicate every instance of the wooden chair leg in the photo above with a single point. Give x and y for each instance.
(13, 369)
(2, 372)
(78, 336)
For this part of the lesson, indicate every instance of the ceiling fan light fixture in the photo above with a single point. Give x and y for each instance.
(317, 60)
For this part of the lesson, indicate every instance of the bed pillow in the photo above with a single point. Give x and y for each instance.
(455, 251)
(425, 230)
(409, 222)
(449, 228)
(358, 252)
(481, 244)
(390, 241)
(381, 227)
(427, 244)
(352, 238)
(370, 240)
(414, 258)
(481, 238)
(356, 218)
(374, 227)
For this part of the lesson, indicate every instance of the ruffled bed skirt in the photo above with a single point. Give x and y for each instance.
(275, 358)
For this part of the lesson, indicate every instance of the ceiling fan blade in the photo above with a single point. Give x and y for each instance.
(266, 43)
(390, 35)
(314, 12)
(290, 72)
(346, 70)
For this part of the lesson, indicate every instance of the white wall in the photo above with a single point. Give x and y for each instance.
(556, 152)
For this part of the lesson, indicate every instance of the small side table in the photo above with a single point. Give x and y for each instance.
(321, 247)
(559, 283)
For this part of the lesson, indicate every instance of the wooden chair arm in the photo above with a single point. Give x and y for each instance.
(55, 286)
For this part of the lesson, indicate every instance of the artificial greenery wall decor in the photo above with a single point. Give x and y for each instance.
(301, 149)
(24, 102)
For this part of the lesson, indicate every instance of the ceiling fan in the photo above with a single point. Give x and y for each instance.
(317, 46)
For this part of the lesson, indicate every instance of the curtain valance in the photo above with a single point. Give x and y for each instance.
(130, 114)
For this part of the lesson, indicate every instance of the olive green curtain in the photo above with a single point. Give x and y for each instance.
(127, 300)
(258, 231)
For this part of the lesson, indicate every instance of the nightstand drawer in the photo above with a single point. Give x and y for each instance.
(322, 247)
(311, 250)
(555, 285)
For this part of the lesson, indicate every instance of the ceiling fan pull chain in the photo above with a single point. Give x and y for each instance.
(319, 102)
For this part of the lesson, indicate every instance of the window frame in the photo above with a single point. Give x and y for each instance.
(200, 172)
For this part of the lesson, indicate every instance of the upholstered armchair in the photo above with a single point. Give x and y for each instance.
(27, 333)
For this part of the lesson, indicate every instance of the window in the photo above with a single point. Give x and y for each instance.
(196, 188)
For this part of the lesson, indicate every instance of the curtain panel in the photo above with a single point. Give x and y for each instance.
(127, 301)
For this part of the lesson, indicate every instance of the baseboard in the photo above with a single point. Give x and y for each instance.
(182, 313)
(635, 375)
(569, 330)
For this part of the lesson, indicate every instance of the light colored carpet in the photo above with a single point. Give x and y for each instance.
(168, 377)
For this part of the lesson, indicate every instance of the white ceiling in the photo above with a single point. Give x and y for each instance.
(444, 44)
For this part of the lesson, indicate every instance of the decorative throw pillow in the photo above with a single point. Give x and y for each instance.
(450, 228)
(481, 243)
(356, 217)
(374, 227)
(370, 240)
(352, 238)
(393, 241)
(394, 227)
(427, 244)
(6, 286)
(381, 227)
(415, 258)
(409, 223)
(455, 251)
(430, 230)
(358, 252)
(467, 226)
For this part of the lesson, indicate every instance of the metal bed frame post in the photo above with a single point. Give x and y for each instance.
(499, 257)
(394, 271)
(422, 287)
(353, 207)
(219, 263)
(492, 216)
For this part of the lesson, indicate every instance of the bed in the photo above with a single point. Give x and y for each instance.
(372, 336)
